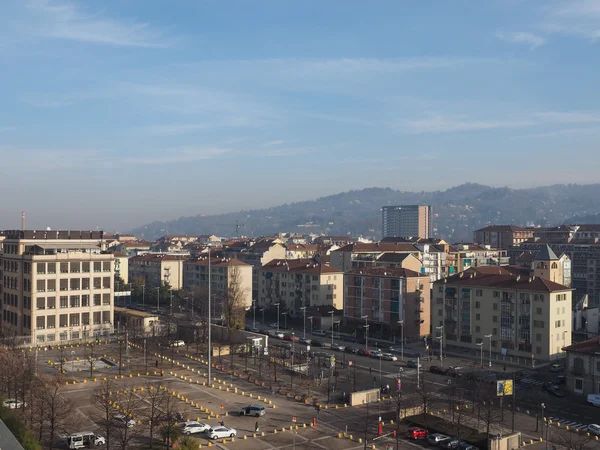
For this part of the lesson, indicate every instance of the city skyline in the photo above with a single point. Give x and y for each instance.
(118, 115)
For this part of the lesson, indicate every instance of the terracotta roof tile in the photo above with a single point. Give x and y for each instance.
(303, 265)
(501, 278)
(387, 271)
(591, 346)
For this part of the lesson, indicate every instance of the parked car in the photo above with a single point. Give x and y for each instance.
(123, 421)
(594, 399)
(364, 352)
(561, 379)
(317, 343)
(439, 370)
(276, 334)
(594, 429)
(413, 364)
(273, 325)
(450, 443)
(352, 350)
(556, 368)
(338, 347)
(289, 337)
(416, 433)
(376, 354)
(253, 410)
(454, 372)
(12, 403)
(305, 341)
(177, 343)
(554, 390)
(389, 357)
(320, 333)
(194, 428)
(436, 438)
(466, 446)
(221, 432)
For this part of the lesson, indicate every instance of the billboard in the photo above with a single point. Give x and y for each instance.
(504, 387)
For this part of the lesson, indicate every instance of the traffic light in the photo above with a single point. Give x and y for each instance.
(394, 432)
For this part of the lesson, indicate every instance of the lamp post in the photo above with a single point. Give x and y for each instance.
(262, 310)
(311, 323)
(284, 314)
(543, 421)
(254, 315)
(143, 295)
(209, 372)
(401, 323)
(331, 312)
(333, 324)
(277, 304)
(489, 336)
(303, 309)
(441, 338)
(480, 345)
(366, 331)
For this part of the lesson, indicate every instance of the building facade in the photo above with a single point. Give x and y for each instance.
(406, 221)
(502, 236)
(391, 298)
(358, 255)
(297, 283)
(582, 367)
(224, 272)
(157, 269)
(57, 286)
(527, 316)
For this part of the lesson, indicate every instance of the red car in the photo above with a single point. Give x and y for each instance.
(416, 433)
(289, 337)
(364, 352)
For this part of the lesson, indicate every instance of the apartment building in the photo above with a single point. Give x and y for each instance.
(391, 298)
(357, 255)
(462, 256)
(528, 317)
(132, 248)
(157, 269)
(582, 367)
(300, 251)
(122, 266)
(296, 283)
(502, 236)
(56, 286)
(224, 272)
(406, 221)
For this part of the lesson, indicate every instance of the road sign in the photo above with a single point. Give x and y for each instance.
(294, 419)
(349, 363)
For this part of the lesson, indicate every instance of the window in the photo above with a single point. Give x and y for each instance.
(64, 284)
(495, 307)
(105, 316)
(598, 366)
(440, 312)
(494, 331)
(41, 267)
(40, 322)
(85, 300)
(51, 267)
(538, 350)
(477, 329)
(538, 311)
(440, 288)
(41, 303)
(106, 266)
(97, 267)
(578, 366)
(51, 286)
(557, 324)
(74, 301)
(85, 319)
(106, 299)
(97, 318)
(85, 267)
(477, 305)
(64, 301)
(579, 385)
(477, 316)
(495, 319)
(85, 283)
(97, 283)
(496, 294)
(64, 267)
(41, 285)
(51, 302)
(63, 320)
(538, 337)
(97, 299)
(106, 282)
(74, 320)
(75, 283)
(75, 267)
(51, 322)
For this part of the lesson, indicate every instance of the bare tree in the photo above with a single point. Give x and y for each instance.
(458, 413)
(169, 420)
(487, 410)
(57, 409)
(425, 395)
(234, 304)
(89, 356)
(572, 441)
(155, 399)
(102, 401)
(130, 405)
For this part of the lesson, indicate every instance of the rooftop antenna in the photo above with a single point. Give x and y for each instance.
(22, 220)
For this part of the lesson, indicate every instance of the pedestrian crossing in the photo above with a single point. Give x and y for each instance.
(529, 382)
(569, 423)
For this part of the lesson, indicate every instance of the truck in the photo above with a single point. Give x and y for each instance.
(84, 439)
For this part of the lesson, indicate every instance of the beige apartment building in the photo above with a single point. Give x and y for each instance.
(396, 301)
(527, 317)
(407, 221)
(224, 272)
(157, 269)
(360, 254)
(56, 286)
(122, 266)
(297, 283)
(502, 236)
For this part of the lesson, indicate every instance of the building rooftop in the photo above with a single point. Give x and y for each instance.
(217, 262)
(156, 257)
(362, 247)
(546, 254)
(304, 265)
(53, 234)
(591, 346)
(501, 278)
(501, 228)
(134, 312)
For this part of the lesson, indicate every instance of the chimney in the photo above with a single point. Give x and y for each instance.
(22, 220)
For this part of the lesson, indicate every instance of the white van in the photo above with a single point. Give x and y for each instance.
(84, 439)
(594, 399)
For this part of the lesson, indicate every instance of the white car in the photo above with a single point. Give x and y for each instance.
(124, 421)
(376, 354)
(12, 403)
(193, 428)
(221, 432)
(177, 343)
(389, 357)
(594, 429)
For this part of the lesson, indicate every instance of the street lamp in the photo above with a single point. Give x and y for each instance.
(311, 323)
(401, 323)
(158, 299)
(366, 317)
(480, 345)
(303, 309)
(277, 304)
(284, 314)
(441, 338)
(262, 310)
(331, 312)
(253, 315)
(489, 336)
(543, 421)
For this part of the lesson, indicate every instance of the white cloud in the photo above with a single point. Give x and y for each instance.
(533, 41)
(573, 17)
(64, 20)
(181, 155)
(273, 143)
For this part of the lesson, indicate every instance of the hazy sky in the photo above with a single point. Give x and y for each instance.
(116, 113)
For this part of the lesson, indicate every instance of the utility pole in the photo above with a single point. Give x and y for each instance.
(366, 317)
(158, 299)
(303, 309)
(209, 320)
(143, 294)
(441, 338)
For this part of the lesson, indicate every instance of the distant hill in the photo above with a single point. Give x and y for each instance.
(457, 211)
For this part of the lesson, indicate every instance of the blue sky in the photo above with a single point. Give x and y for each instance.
(116, 113)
